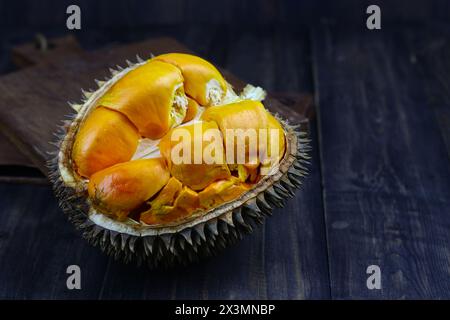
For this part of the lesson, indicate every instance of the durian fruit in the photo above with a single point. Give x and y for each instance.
(147, 168)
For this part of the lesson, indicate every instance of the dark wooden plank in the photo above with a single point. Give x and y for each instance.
(431, 47)
(10, 155)
(37, 245)
(291, 99)
(14, 166)
(43, 50)
(385, 170)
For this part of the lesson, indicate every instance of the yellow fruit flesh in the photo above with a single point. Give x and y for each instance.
(167, 195)
(183, 206)
(221, 191)
(125, 186)
(197, 73)
(146, 96)
(274, 125)
(187, 200)
(244, 117)
(105, 139)
(195, 176)
(192, 109)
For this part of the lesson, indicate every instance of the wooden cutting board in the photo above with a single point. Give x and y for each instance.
(33, 101)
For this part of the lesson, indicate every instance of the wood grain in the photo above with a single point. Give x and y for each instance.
(430, 48)
(44, 50)
(14, 166)
(10, 154)
(386, 173)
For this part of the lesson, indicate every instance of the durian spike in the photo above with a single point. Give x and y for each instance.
(113, 71)
(86, 93)
(99, 83)
(139, 59)
(75, 106)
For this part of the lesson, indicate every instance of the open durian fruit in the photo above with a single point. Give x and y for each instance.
(125, 176)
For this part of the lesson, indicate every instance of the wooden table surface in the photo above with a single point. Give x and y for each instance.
(378, 192)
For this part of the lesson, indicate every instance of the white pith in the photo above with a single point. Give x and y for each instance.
(249, 92)
(230, 95)
(179, 107)
(147, 149)
(214, 92)
(253, 93)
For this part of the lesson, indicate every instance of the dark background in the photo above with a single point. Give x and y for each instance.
(379, 185)
(105, 22)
